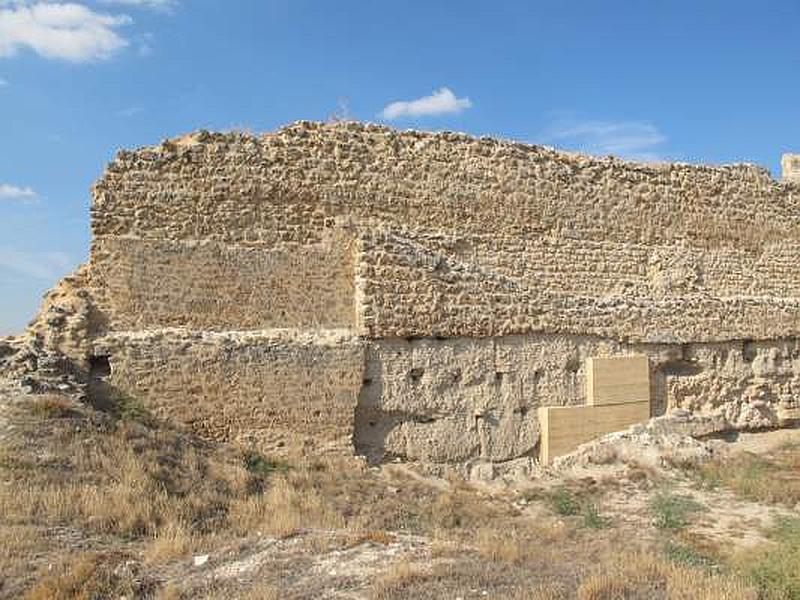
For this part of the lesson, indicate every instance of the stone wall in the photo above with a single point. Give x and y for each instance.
(474, 401)
(277, 391)
(209, 285)
(462, 237)
(421, 295)
(427, 285)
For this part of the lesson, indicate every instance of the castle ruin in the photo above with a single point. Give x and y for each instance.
(416, 295)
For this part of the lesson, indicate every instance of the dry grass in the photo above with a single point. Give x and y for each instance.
(541, 591)
(263, 590)
(174, 540)
(52, 406)
(82, 479)
(504, 546)
(90, 576)
(773, 479)
(646, 575)
(288, 506)
(775, 567)
(169, 592)
(162, 494)
(398, 578)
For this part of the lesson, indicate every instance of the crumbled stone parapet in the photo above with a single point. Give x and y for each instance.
(52, 354)
(790, 165)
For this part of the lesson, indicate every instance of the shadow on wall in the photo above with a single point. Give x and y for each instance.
(109, 399)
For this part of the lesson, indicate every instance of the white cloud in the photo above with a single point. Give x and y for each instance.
(39, 265)
(3, 82)
(441, 102)
(633, 140)
(13, 192)
(129, 112)
(151, 4)
(65, 31)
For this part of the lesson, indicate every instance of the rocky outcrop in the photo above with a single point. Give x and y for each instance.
(54, 352)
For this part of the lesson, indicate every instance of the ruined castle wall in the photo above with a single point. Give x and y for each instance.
(417, 286)
(463, 236)
(469, 401)
(209, 285)
(278, 391)
(474, 276)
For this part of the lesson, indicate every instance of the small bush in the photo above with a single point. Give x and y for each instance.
(263, 467)
(672, 511)
(593, 519)
(686, 555)
(501, 547)
(564, 503)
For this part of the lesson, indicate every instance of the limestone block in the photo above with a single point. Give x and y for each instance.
(564, 428)
(617, 380)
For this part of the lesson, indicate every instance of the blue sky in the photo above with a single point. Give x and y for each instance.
(696, 81)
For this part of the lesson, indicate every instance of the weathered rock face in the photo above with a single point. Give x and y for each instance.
(54, 352)
(425, 293)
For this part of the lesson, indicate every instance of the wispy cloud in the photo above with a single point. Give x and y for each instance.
(165, 5)
(144, 44)
(3, 82)
(440, 102)
(633, 140)
(39, 265)
(129, 112)
(64, 31)
(17, 193)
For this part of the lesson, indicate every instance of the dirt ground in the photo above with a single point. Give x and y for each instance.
(110, 503)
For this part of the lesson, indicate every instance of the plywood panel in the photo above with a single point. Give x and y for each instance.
(617, 380)
(564, 428)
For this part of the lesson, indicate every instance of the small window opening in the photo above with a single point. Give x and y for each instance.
(99, 366)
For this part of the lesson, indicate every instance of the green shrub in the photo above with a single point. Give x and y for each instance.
(261, 466)
(593, 519)
(686, 555)
(671, 511)
(564, 503)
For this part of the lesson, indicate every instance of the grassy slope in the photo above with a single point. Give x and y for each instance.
(109, 503)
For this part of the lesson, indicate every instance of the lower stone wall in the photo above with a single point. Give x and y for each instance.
(456, 401)
(461, 400)
(277, 390)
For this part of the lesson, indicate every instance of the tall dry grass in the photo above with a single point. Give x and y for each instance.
(644, 574)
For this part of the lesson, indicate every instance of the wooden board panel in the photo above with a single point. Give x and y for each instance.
(564, 428)
(617, 380)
